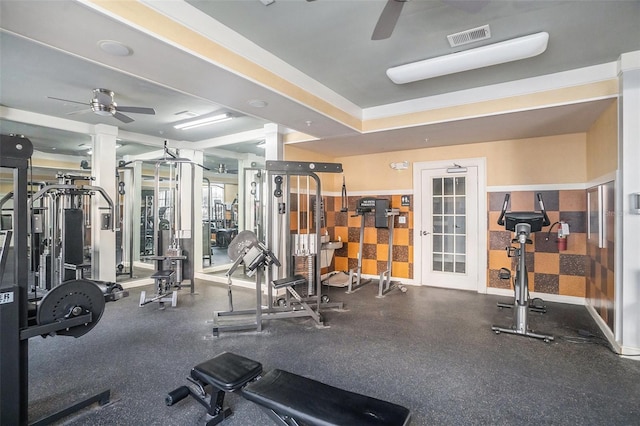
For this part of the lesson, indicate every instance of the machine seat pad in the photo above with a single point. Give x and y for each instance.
(227, 371)
(314, 403)
(163, 274)
(289, 281)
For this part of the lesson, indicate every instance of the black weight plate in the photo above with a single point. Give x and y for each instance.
(59, 301)
(240, 243)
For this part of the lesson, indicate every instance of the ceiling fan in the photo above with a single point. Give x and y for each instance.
(222, 169)
(102, 103)
(391, 12)
(388, 19)
(386, 22)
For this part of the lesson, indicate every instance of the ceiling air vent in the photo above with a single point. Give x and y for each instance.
(469, 36)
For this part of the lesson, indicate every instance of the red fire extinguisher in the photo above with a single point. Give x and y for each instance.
(562, 237)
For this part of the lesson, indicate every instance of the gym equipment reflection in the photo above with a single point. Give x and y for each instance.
(173, 242)
(57, 242)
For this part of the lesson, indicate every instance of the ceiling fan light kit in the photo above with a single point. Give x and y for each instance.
(485, 56)
(103, 103)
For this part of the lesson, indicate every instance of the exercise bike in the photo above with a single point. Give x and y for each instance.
(523, 224)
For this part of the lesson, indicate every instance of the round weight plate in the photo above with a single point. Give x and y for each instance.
(60, 300)
(240, 243)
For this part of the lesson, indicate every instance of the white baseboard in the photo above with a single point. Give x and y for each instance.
(404, 281)
(603, 327)
(137, 283)
(624, 351)
(223, 280)
(572, 300)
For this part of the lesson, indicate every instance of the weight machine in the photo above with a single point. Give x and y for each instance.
(365, 206)
(125, 221)
(385, 285)
(173, 240)
(523, 224)
(60, 214)
(72, 308)
(384, 217)
(247, 250)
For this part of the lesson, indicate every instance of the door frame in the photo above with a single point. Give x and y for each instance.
(482, 211)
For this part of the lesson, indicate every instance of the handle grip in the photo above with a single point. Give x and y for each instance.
(504, 209)
(545, 221)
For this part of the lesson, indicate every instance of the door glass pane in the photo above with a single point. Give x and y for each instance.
(437, 186)
(448, 264)
(460, 186)
(448, 186)
(448, 205)
(449, 224)
(461, 205)
(437, 243)
(437, 262)
(437, 205)
(437, 225)
(448, 243)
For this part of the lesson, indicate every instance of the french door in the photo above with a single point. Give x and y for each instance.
(449, 228)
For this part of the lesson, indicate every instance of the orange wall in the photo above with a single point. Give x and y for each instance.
(331, 182)
(545, 160)
(602, 144)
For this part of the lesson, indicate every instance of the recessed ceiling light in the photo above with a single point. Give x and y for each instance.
(115, 48)
(258, 103)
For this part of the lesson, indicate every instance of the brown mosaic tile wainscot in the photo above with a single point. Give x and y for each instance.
(550, 271)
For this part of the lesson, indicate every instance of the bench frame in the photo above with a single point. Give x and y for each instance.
(164, 281)
(229, 372)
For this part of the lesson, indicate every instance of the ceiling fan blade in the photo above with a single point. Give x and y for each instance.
(388, 18)
(136, 110)
(67, 100)
(122, 117)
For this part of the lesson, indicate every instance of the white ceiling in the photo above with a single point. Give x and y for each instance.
(50, 49)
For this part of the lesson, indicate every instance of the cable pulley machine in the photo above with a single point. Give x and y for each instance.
(72, 308)
(261, 258)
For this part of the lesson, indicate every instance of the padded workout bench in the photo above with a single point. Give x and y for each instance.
(288, 399)
(164, 281)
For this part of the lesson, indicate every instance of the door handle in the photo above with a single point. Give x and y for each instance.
(424, 233)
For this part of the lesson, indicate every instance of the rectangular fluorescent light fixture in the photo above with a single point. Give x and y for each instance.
(485, 56)
(203, 121)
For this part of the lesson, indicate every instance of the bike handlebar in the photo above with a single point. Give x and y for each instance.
(545, 221)
(504, 209)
